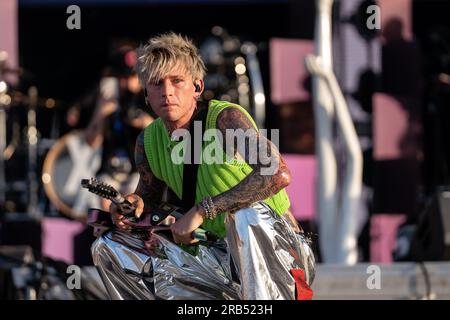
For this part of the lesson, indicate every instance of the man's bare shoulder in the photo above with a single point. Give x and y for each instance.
(149, 187)
(233, 118)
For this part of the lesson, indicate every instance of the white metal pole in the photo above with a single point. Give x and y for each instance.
(324, 113)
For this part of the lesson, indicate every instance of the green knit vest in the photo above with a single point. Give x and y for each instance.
(212, 178)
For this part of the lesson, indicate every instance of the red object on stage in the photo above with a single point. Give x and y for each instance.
(302, 290)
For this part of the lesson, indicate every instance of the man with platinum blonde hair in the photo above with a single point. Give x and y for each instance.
(254, 249)
(161, 54)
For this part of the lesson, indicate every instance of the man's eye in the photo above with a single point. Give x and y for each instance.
(177, 80)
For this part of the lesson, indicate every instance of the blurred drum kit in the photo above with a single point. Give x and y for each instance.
(233, 72)
(9, 99)
(34, 169)
(23, 151)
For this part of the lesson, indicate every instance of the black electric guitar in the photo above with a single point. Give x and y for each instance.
(102, 219)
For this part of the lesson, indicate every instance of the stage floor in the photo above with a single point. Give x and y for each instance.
(397, 281)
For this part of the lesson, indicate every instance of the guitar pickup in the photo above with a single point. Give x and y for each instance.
(163, 211)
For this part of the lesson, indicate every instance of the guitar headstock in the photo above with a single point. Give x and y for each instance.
(100, 188)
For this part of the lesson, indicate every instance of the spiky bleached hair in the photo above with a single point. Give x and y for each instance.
(162, 53)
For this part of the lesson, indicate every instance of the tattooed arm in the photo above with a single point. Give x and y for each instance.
(148, 193)
(149, 188)
(261, 183)
(258, 185)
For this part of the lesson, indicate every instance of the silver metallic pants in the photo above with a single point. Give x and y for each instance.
(254, 261)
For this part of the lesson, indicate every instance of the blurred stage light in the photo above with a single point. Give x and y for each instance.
(240, 68)
(50, 103)
(260, 98)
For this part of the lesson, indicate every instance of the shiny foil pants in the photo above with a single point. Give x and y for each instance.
(255, 261)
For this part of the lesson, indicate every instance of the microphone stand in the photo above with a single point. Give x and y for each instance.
(2, 149)
(259, 99)
(32, 136)
(5, 100)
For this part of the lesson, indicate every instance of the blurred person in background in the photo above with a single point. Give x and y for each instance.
(118, 119)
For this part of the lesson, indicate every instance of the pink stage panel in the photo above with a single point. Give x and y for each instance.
(397, 9)
(383, 233)
(302, 190)
(58, 236)
(287, 69)
(9, 34)
(390, 125)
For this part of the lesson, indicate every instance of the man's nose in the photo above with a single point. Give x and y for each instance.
(167, 89)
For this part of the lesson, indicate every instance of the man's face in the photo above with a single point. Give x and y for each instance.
(174, 96)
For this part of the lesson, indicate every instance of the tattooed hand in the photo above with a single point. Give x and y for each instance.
(182, 229)
(149, 191)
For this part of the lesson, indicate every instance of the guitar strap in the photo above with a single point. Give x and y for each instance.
(190, 169)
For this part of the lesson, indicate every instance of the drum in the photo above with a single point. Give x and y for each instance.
(68, 161)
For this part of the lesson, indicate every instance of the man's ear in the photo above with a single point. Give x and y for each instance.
(199, 86)
(146, 97)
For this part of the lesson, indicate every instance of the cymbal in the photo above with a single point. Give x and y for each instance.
(18, 97)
